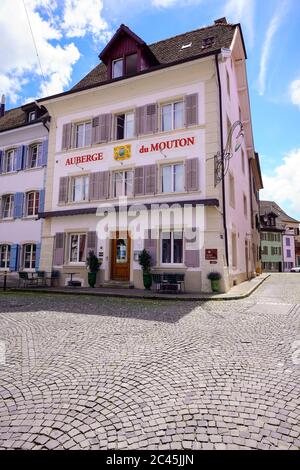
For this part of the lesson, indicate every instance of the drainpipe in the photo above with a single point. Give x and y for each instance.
(222, 153)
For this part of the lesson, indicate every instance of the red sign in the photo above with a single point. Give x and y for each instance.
(168, 144)
(211, 254)
(84, 159)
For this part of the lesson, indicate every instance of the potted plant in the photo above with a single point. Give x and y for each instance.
(93, 265)
(145, 263)
(214, 278)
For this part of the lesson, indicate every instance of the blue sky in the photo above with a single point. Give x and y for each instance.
(70, 34)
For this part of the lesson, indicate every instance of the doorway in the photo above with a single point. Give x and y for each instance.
(120, 256)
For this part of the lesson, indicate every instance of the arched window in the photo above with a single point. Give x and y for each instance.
(4, 256)
(32, 203)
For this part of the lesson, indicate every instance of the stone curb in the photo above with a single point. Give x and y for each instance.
(216, 298)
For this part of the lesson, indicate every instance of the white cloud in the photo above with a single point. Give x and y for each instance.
(283, 185)
(266, 50)
(295, 92)
(242, 11)
(82, 17)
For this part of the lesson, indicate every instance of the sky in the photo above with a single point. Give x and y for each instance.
(69, 35)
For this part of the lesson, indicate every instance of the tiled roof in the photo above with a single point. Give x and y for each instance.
(271, 206)
(170, 50)
(12, 118)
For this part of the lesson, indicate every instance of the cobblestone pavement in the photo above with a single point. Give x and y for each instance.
(97, 373)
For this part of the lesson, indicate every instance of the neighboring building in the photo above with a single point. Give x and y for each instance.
(23, 159)
(278, 238)
(256, 184)
(297, 249)
(146, 124)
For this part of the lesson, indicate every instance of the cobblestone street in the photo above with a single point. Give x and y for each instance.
(103, 373)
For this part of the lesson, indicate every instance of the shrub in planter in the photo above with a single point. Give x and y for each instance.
(145, 263)
(214, 278)
(93, 265)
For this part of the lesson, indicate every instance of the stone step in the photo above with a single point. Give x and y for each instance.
(117, 285)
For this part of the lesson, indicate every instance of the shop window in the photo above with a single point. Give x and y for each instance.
(122, 183)
(172, 116)
(124, 126)
(7, 206)
(29, 256)
(171, 247)
(32, 203)
(79, 188)
(172, 178)
(83, 134)
(77, 252)
(4, 256)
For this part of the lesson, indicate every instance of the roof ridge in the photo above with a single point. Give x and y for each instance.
(193, 31)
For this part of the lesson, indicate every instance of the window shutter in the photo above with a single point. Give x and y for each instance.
(14, 258)
(139, 181)
(37, 256)
(66, 136)
(92, 242)
(101, 128)
(191, 110)
(191, 253)
(63, 189)
(20, 152)
(98, 185)
(139, 120)
(42, 200)
(1, 160)
(192, 174)
(18, 205)
(150, 244)
(27, 157)
(59, 245)
(150, 179)
(105, 185)
(44, 157)
(151, 118)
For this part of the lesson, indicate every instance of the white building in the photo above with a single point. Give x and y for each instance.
(23, 160)
(146, 124)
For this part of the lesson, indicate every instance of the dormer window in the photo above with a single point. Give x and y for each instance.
(131, 64)
(32, 116)
(117, 68)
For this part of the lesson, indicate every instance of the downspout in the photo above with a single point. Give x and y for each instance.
(222, 153)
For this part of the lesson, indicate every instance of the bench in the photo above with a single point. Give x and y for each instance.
(168, 282)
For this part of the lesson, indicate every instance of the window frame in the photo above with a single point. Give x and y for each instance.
(114, 61)
(171, 263)
(172, 104)
(11, 206)
(173, 174)
(7, 152)
(79, 235)
(85, 177)
(124, 181)
(6, 256)
(35, 205)
(75, 134)
(125, 128)
(32, 257)
(38, 147)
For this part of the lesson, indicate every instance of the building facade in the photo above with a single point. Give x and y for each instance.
(132, 163)
(278, 238)
(23, 160)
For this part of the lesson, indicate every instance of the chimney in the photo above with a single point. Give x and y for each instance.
(2, 106)
(221, 20)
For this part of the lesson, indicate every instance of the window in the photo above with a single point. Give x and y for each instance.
(234, 250)
(171, 247)
(288, 253)
(265, 250)
(122, 183)
(117, 68)
(4, 256)
(131, 64)
(243, 162)
(31, 116)
(34, 152)
(7, 206)
(275, 250)
(124, 126)
(208, 42)
(288, 242)
(79, 188)
(172, 116)
(83, 134)
(29, 256)
(245, 205)
(231, 190)
(32, 203)
(10, 161)
(172, 178)
(264, 236)
(77, 248)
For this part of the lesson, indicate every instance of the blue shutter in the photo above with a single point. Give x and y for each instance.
(37, 256)
(14, 258)
(19, 157)
(44, 153)
(42, 200)
(1, 160)
(18, 209)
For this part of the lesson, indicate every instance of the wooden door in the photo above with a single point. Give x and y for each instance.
(120, 257)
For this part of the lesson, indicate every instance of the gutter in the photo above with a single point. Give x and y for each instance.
(222, 153)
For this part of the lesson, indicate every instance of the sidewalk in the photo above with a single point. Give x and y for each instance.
(241, 291)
